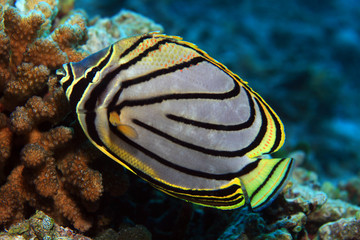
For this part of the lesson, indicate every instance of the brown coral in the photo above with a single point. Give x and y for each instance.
(45, 159)
(34, 4)
(45, 51)
(4, 59)
(38, 177)
(13, 195)
(43, 175)
(30, 80)
(5, 145)
(37, 110)
(21, 32)
(70, 34)
(75, 170)
(28, 51)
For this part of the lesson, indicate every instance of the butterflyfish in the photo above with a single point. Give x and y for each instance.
(168, 112)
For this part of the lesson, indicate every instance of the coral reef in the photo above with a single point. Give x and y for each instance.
(45, 158)
(40, 226)
(109, 30)
(303, 211)
(31, 142)
(47, 164)
(29, 51)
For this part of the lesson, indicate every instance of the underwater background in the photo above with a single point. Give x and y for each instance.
(302, 57)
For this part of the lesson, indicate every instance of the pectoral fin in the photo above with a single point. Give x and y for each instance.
(127, 130)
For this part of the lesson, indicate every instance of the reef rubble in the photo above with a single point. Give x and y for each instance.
(303, 211)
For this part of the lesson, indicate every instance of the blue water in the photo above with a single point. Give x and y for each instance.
(303, 57)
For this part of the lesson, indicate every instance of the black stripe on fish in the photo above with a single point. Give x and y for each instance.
(280, 185)
(219, 127)
(79, 87)
(178, 96)
(70, 79)
(109, 77)
(188, 171)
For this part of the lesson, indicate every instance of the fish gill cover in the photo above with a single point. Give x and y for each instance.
(301, 56)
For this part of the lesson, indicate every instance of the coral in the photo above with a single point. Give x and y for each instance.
(302, 211)
(30, 80)
(106, 31)
(31, 105)
(352, 188)
(137, 232)
(46, 52)
(51, 108)
(37, 177)
(29, 51)
(74, 168)
(13, 195)
(21, 30)
(345, 228)
(49, 174)
(27, 6)
(3, 2)
(6, 137)
(347, 190)
(70, 34)
(45, 159)
(40, 226)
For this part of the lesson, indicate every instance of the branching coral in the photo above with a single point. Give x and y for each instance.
(40, 174)
(21, 30)
(51, 108)
(37, 178)
(30, 80)
(29, 52)
(5, 141)
(44, 157)
(45, 170)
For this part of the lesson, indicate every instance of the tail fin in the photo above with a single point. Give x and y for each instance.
(265, 182)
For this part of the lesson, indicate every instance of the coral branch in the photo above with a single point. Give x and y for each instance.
(76, 171)
(30, 80)
(43, 161)
(21, 31)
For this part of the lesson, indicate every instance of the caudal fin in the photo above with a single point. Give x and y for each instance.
(265, 182)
